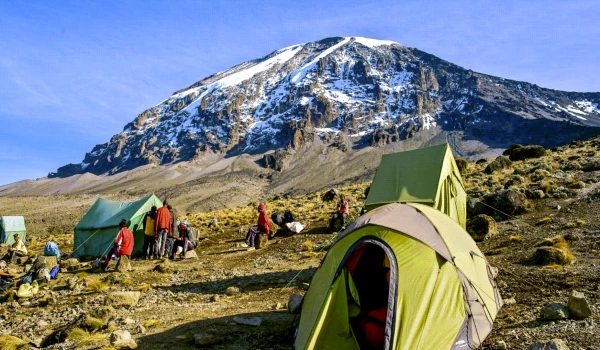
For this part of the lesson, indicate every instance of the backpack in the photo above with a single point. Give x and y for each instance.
(288, 217)
(51, 249)
(277, 219)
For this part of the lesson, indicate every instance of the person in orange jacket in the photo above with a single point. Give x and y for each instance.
(162, 227)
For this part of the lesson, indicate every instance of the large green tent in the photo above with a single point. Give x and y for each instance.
(9, 225)
(438, 289)
(427, 175)
(97, 230)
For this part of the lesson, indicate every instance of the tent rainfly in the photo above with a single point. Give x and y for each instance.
(427, 175)
(402, 276)
(9, 225)
(97, 230)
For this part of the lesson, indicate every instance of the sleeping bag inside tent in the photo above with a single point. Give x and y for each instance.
(9, 225)
(426, 175)
(402, 276)
(96, 232)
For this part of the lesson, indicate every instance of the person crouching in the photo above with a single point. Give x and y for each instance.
(123, 245)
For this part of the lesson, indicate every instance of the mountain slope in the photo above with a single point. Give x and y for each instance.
(348, 92)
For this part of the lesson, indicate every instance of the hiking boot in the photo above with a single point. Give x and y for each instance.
(250, 249)
(244, 245)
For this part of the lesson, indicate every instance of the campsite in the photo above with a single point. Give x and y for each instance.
(232, 298)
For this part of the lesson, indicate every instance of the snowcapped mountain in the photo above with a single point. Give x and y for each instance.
(348, 92)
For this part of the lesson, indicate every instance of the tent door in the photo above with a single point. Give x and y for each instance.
(371, 274)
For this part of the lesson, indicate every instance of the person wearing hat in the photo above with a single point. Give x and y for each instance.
(263, 220)
(187, 239)
(18, 248)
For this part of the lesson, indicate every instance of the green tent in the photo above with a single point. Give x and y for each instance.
(97, 230)
(438, 289)
(9, 225)
(427, 175)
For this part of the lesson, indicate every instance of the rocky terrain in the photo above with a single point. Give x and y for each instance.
(541, 232)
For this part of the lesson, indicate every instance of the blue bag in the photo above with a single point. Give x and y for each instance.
(54, 272)
(51, 249)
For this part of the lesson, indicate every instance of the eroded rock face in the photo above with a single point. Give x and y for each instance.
(374, 93)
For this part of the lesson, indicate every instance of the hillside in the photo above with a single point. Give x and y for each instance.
(559, 195)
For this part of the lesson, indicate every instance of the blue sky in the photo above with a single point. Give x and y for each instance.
(72, 74)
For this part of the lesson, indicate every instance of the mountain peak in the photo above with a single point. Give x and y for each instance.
(347, 92)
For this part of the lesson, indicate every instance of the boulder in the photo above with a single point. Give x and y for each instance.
(578, 305)
(475, 207)
(507, 202)
(190, 255)
(45, 261)
(555, 311)
(295, 303)
(254, 321)
(208, 339)
(549, 256)
(231, 291)
(261, 240)
(122, 299)
(554, 344)
(481, 227)
(121, 339)
(518, 152)
(498, 164)
(330, 195)
(124, 264)
(499, 345)
(104, 313)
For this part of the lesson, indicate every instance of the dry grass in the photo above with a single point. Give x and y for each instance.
(143, 288)
(151, 323)
(96, 286)
(561, 244)
(83, 338)
(307, 246)
(8, 342)
(82, 275)
(543, 221)
(94, 323)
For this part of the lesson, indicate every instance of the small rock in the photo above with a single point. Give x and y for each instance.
(164, 267)
(554, 344)
(499, 345)
(555, 311)
(26, 303)
(295, 303)
(140, 329)
(121, 339)
(215, 298)
(121, 299)
(305, 285)
(231, 291)
(550, 255)
(129, 321)
(42, 324)
(190, 254)
(578, 305)
(254, 321)
(278, 306)
(510, 301)
(207, 339)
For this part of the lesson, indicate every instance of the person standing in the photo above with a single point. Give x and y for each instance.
(149, 233)
(173, 234)
(162, 226)
(123, 244)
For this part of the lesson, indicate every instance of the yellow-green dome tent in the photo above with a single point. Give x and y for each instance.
(427, 175)
(96, 231)
(440, 289)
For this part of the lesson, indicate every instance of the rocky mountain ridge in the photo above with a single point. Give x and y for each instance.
(348, 92)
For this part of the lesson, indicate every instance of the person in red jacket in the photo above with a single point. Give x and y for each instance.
(263, 220)
(123, 243)
(162, 227)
